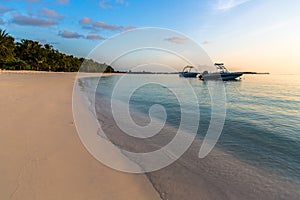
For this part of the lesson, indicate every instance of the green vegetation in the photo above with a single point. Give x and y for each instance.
(31, 55)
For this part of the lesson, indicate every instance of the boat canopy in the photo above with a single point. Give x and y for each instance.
(219, 63)
(187, 68)
(221, 67)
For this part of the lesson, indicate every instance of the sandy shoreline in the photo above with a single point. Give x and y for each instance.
(41, 155)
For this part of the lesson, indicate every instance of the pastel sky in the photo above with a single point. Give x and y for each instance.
(251, 35)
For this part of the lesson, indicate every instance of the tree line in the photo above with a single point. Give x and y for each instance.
(31, 55)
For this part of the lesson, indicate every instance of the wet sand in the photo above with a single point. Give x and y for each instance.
(41, 155)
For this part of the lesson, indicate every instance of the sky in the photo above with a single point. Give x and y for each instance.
(247, 35)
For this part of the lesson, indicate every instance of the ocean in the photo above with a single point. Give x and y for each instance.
(257, 154)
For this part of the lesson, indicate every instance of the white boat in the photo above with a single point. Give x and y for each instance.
(221, 74)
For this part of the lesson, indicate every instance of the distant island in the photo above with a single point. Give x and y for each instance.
(256, 73)
(146, 72)
(31, 55)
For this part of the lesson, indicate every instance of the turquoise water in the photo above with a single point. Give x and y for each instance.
(262, 122)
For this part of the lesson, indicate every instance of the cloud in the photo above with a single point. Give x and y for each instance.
(105, 26)
(74, 35)
(62, 1)
(205, 42)
(103, 4)
(225, 5)
(85, 20)
(93, 29)
(43, 41)
(69, 34)
(129, 28)
(50, 13)
(177, 40)
(94, 37)
(88, 23)
(23, 20)
(4, 9)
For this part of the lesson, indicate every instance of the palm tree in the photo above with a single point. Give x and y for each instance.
(29, 54)
(3, 36)
(7, 46)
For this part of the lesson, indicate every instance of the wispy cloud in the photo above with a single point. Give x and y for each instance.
(74, 35)
(129, 28)
(43, 41)
(205, 42)
(85, 20)
(225, 5)
(70, 34)
(62, 1)
(4, 9)
(177, 40)
(103, 4)
(94, 37)
(110, 27)
(32, 21)
(50, 13)
(91, 28)
(88, 23)
(107, 4)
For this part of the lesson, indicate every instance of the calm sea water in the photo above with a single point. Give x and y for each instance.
(262, 122)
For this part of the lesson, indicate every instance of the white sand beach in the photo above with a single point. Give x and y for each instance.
(41, 155)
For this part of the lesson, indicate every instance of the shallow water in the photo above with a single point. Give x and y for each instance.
(261, 128)
(262, 122)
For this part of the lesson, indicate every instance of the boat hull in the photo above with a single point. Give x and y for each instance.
(188, 74)
(221, 76)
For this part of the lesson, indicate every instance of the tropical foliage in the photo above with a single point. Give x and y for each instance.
(31, 55)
